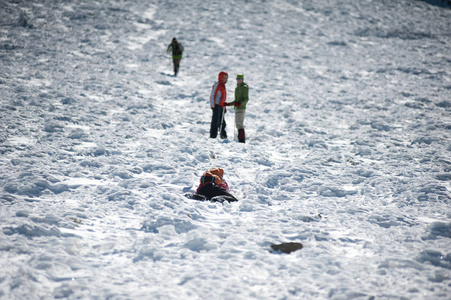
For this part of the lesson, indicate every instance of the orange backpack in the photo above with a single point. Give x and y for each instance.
(213, 175)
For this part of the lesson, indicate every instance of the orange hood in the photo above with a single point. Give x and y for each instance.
(221, 75)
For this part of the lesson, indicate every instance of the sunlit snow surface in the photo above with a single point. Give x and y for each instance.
(348, 150)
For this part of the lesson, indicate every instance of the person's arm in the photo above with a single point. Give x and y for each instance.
(245, 97)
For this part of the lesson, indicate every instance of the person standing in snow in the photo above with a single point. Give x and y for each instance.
(213, 187)
(177, 50)
(241, 99)
(218, 98)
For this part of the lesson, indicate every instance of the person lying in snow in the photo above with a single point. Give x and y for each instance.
(213, 187)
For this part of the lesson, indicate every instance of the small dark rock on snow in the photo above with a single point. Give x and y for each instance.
(287, 247)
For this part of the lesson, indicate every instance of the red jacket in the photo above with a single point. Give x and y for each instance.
(218, 91)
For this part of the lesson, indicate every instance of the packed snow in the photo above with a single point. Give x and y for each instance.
(348, 150)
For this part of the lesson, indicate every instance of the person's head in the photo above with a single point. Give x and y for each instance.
(239, 78)
(174, 40)
(223, 76)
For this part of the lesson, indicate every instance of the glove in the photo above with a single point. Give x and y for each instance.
(237, 104)
(227, 104)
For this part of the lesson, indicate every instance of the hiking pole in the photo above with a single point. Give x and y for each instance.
(235, 125)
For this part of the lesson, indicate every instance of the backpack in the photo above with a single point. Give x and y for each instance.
(213, 175)
(176, 49)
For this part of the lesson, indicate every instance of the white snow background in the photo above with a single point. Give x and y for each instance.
(348, 150)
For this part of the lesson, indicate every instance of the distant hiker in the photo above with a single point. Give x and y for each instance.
(177, 50)
(217, 104)
(213, 187)
(241, 99)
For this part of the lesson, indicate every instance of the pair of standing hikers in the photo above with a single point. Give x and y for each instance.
(218, 97)
(218, 105)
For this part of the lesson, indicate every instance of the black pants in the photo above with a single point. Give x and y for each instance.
(176, 62)
(213, 193)
(218, 115)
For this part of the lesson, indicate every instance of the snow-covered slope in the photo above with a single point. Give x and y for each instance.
(348, 150)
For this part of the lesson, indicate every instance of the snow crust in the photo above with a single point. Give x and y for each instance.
(348, 150)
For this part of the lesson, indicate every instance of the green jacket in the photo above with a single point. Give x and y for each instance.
(241, 95)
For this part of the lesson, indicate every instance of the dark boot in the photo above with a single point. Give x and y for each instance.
(223, 134)
(241, 136)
